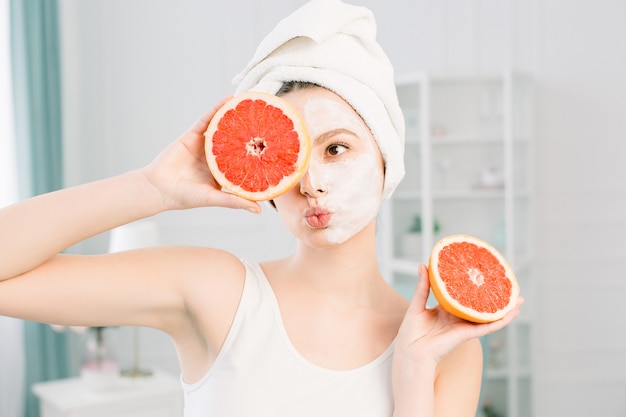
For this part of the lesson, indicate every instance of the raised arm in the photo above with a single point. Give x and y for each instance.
(36, 229)
(37, 283)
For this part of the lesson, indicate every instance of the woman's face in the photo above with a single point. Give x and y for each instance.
(341, 191)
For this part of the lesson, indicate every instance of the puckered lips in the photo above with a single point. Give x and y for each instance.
(317, 217)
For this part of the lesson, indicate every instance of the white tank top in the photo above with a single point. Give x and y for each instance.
(259, 373)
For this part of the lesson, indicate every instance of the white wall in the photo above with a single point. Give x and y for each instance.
(581, 216)
(138, 73)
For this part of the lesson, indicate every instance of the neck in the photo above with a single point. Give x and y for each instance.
(347, 270)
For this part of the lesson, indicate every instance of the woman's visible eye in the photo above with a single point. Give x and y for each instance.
(336, 149)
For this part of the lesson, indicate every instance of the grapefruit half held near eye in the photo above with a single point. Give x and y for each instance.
(257, 146)
(471, 279)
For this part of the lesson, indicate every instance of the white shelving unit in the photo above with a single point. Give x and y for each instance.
(468, 162)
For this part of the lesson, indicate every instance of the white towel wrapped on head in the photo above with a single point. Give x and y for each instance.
(333, 44)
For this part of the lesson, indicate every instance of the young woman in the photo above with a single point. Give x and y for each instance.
(318, 333)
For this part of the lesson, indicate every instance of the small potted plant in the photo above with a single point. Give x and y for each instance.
(412, 239)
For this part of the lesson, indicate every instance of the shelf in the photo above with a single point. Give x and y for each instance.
(500, 373)
(405, 266)
(504, 373)
(465, 140)
(410, 267)
(465, 194)
(413, 78)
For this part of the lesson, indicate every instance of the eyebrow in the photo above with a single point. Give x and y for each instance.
(327, 136)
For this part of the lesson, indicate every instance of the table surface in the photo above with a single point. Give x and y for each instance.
(71, 393)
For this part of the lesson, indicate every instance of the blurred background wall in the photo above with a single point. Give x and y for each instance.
(137, 73)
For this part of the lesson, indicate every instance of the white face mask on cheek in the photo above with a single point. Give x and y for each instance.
(353, 186)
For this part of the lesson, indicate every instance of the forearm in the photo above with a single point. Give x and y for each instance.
(38, 228)
(449, 386)
(414, 392)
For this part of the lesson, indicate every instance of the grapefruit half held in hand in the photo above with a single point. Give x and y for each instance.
(257, 146)
(471, 279)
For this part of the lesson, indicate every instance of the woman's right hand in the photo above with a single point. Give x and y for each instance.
(181, 176)
(178, 178)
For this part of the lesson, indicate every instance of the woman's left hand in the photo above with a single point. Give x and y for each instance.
(429, 334)
(428, 378)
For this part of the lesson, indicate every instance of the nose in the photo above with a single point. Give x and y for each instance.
(311, 187)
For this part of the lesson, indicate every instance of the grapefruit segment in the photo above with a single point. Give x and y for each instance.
(257, 146)
(471, 279)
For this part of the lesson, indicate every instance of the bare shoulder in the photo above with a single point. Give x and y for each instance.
(211, 275)
(211, 283)
(205, 264)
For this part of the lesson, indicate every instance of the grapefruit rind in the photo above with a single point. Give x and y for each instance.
(288, 181)
(450, 304)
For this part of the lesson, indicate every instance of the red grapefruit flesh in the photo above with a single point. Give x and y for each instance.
(471, 279)
(257, 146)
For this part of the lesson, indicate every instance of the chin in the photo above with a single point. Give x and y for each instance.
(317, 239)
